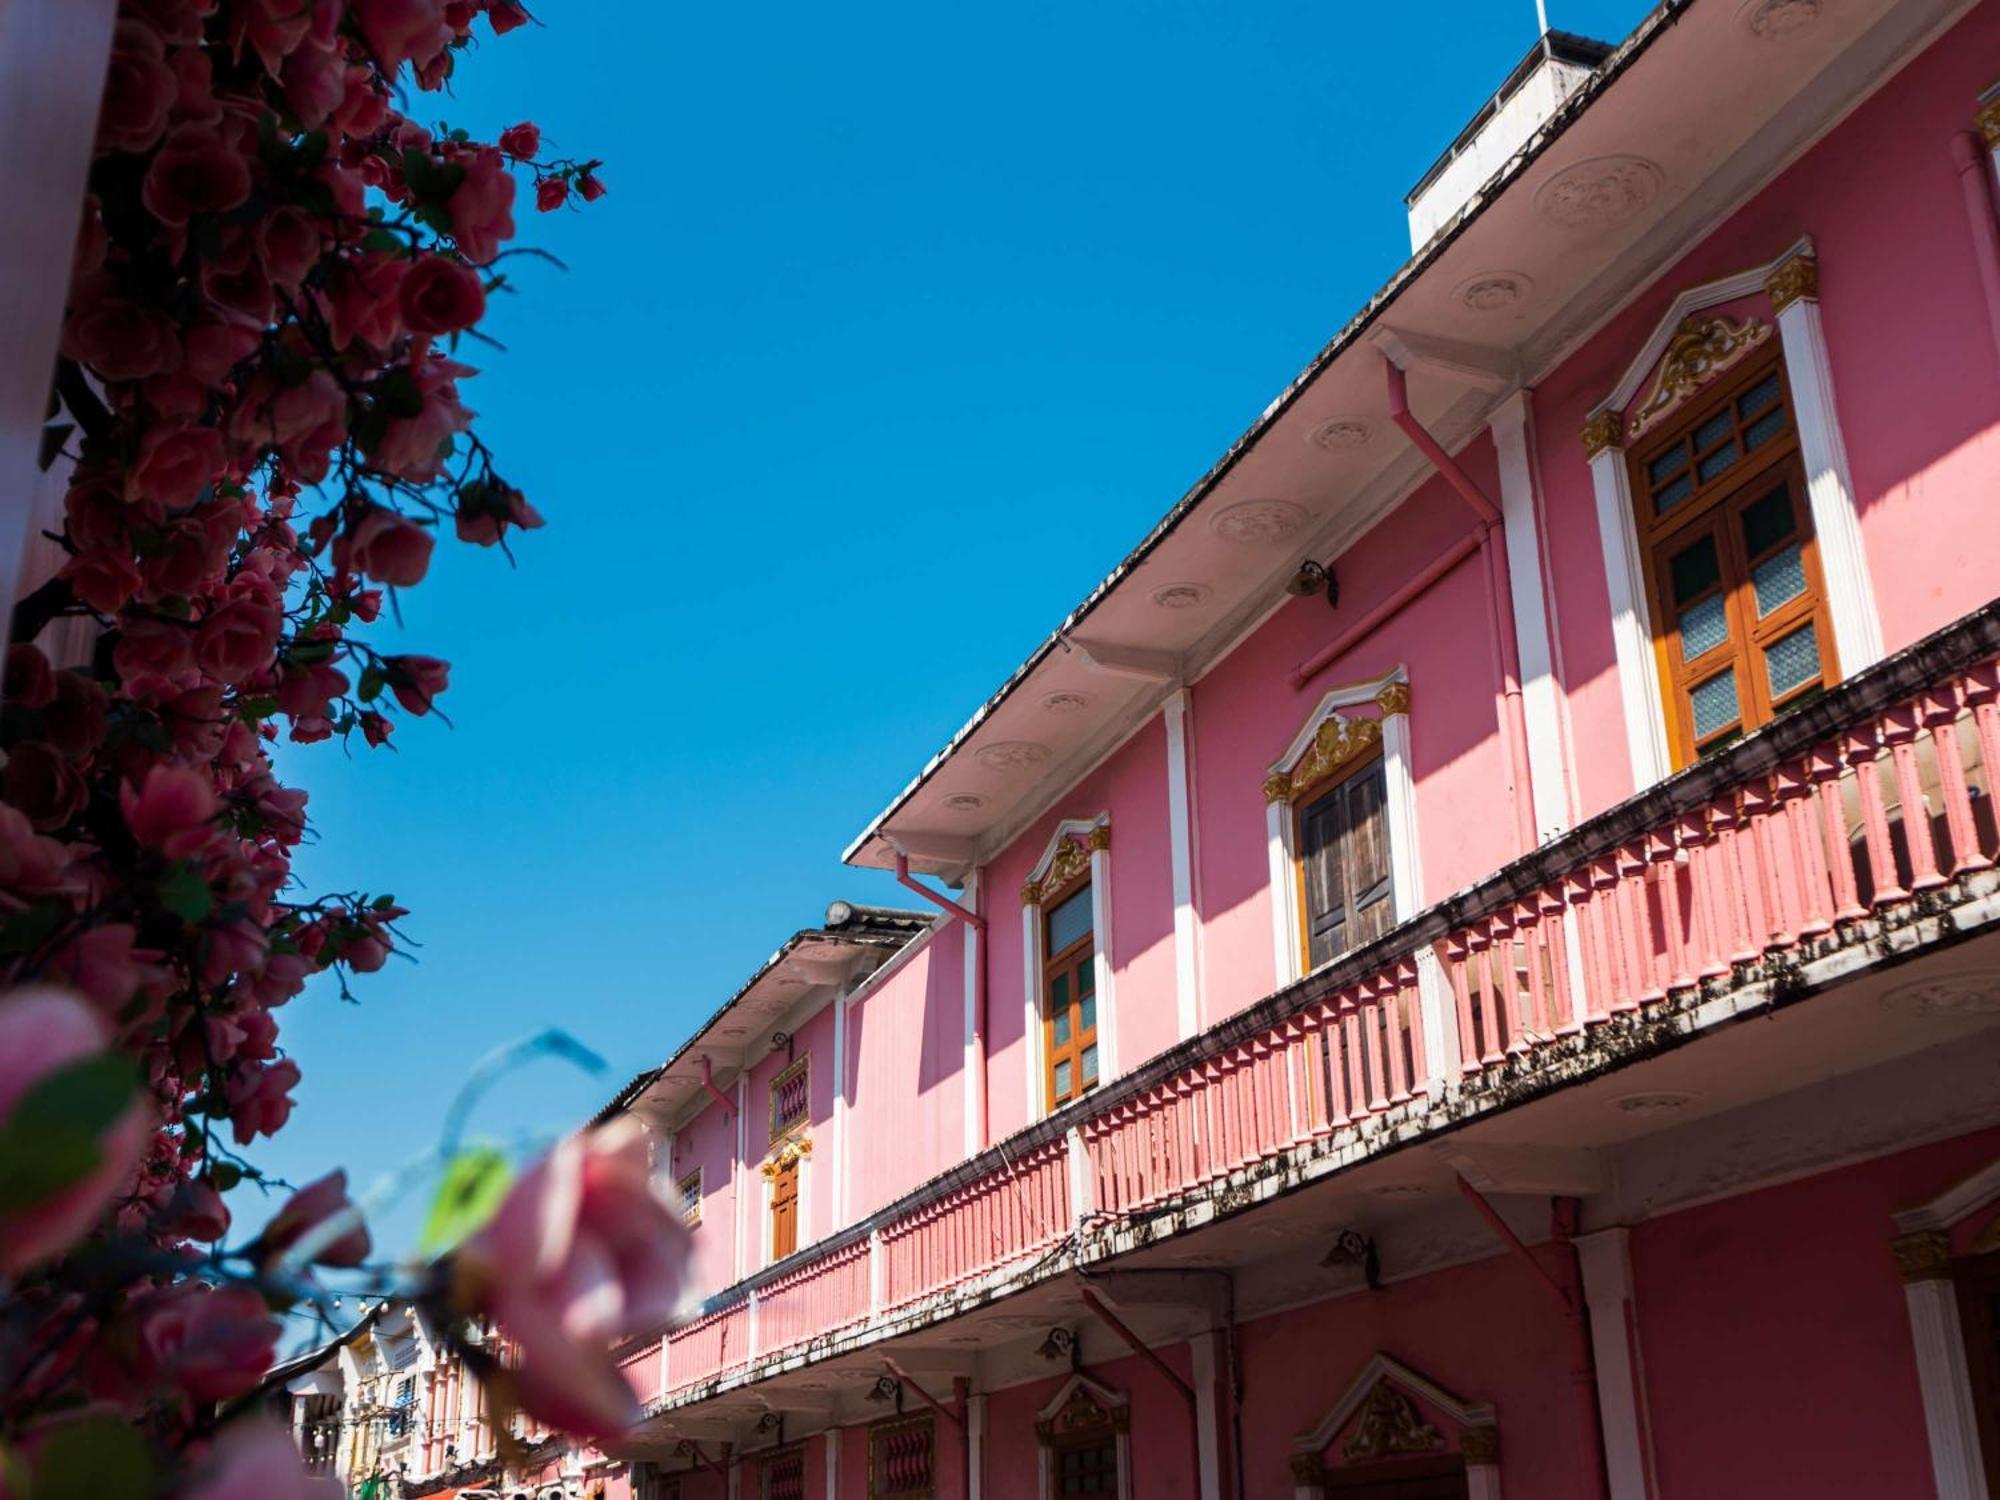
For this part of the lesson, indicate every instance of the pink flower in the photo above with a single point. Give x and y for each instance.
(551, 193)
(30, 681)
(521, 141)
(288, 244)
(416, 680)
(260, 1099)
(197, 1212)
(591, 186)
(386, 547)
(416, 447)
(42, 1030)
(198, 170)
(307, 1209)
(41, 782)
(172, 811)
(505, 15)
(30, 865)
(176, 464)
(582, 1252)
(151, 655)
(238, 640)
(257, 1461)
(207, 1343)
(271, 27)
(441, 296)
(102, 965)
(305, 692)
(315, 80)
(400, 31)
(139, 89)
(482, 209)
(120, 340)
(364, 305)
(486, 511)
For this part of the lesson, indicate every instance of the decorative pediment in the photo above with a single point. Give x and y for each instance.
(1336, 744)
(1391, 1411)
(1066, 858)
(1701, 349)
(792, 1148)
(1082, 1408)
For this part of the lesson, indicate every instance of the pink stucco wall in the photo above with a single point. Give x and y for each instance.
(708, 1141)
(1781, 1312)
(813, 1042)
(1915, 380)
(1131, 788)
(1161, 1458)
(1245, 714)
(906, 1075)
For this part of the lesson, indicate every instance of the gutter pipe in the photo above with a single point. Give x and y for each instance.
(977, 923)
(1320, 660)
(1567, 1290)
(1499, 591)
(1146, 1352)
(948, 1413)
(708, 1082)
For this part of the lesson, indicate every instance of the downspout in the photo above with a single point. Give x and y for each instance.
(690, 1448)
(1499, 594)
(1975, 180)
(977, 923)
(903, 1376)
(1146, 1352)
(708, 1082)
(1567, 1290)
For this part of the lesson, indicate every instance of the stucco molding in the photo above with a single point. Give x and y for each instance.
(1079, 1401)
(1388, 1423)
(1077, 846)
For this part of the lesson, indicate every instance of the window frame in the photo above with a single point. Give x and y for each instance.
(690, 1202)
(1717, 508)
(783, 1170)
(781, 1129)
(1078, 957)
(795, 1453)
(1309, 796)
(877, 1431)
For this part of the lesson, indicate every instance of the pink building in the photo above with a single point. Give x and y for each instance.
(1527, 1028)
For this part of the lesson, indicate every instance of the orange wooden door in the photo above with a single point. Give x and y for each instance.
(785, 1211)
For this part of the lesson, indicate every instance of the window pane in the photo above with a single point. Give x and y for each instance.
(1069, 921)
(1713, 431)
(1062, 1079)
(1764, 428)
(1086, 1019)
(1666, 499)
(1760, 396)
(1704, 627)
(1668, 464)
(1714, 703)
(1090, 1064)
(1779, 579)
(1059, 1023)
(1792, 661)
(1695, 570)
(1768, 522)
(1718, 461)
(1086, 978)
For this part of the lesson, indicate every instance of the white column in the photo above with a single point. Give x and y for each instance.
(1100, 919)
(1406, 871)
(974, 1075)
(1607, 1287)
(1540, 698)
(1857, 630)
(1284, 898)
(833, 1463)
(975, 1432)
(750, 1352)
(878, 1275)
(1031, 1009)
(1951, 1419)
(1180, 847)
(840, 1216)
(666, 1378)
(740, 1172)
(1207, 1423)
(1625, 582)
(1081, 1199)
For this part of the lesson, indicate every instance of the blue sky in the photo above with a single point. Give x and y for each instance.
(899, 326)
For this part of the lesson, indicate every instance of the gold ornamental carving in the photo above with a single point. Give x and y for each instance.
(1336, 743)
(1699, 351)
(792, 1149)
(1480, 1445)
(1796, 280)
(1099, 837)
(1989, 123)
(1081, 1416)
(1307, 1468)
(1072, 858)
(1390, 1424)
(1606, 430)
(1393, 699)
(1922, 1256)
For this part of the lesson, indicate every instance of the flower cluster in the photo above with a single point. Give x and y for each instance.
(259, 407)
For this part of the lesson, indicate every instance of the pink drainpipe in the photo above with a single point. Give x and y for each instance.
(1975, 181)
(977, 923)
(708, 1082)
(1499, 590)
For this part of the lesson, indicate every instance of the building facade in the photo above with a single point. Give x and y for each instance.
(1468, 964)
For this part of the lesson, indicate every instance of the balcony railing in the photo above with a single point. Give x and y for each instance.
(1878, 795)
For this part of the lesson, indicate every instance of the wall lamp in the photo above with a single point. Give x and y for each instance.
(1315, 578)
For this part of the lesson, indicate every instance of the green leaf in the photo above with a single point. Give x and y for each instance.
(36, 1164)
(87, 1095)
(25, 931)
(99, 1459)
(183, 892)
(475, 1180)
(225, 1175)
